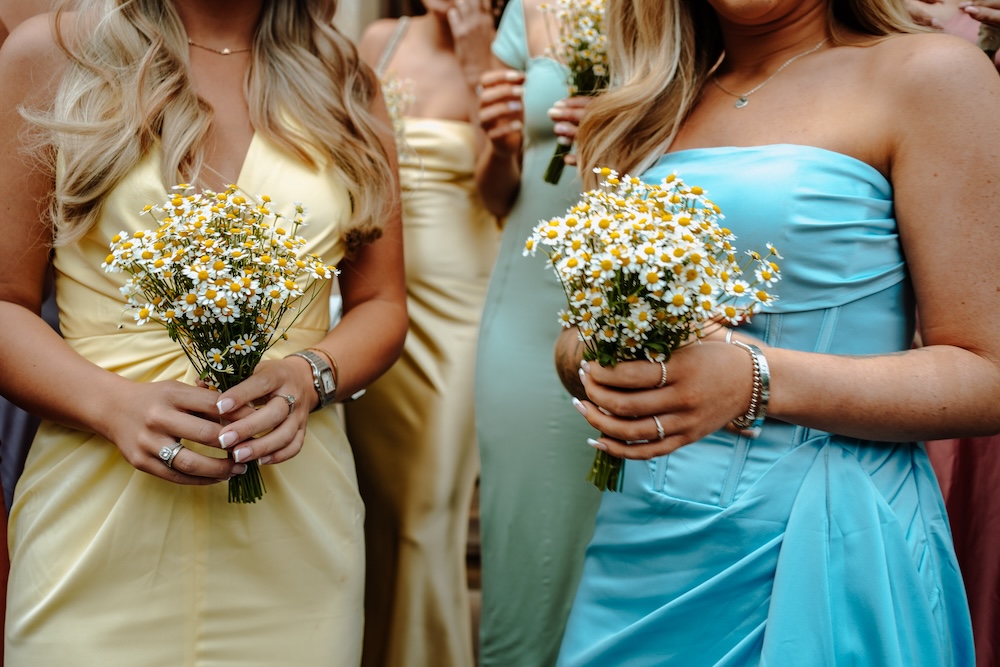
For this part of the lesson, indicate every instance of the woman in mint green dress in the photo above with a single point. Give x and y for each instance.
(536, 507)
(827, 129)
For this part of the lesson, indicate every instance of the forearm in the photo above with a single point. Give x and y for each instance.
(45, 376)
(365, 343)
(924, 394)
(498, 178)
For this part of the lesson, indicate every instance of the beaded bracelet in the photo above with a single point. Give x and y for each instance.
(753, 421)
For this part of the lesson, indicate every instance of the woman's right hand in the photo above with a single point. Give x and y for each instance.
(501, 109)
(148, 416)
(984, 11)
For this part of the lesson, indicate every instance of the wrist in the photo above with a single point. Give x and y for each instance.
(324, 378)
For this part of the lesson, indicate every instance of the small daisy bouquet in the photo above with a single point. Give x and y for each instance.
(220, 273)
(399, 97)
(581, 46)
(647, 268)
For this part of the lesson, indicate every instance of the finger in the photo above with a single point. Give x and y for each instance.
(270, 416)
(268, 444)
(192, 465)
(510, 111)
(499, 132)
(498, 76)
(501, 94)
(246, 392)
(641, 374)
(984, 14)
(640, 452)
(286, 452)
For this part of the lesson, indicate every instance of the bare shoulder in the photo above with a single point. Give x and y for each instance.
(31, 59)
(924, 69)
(375, 38)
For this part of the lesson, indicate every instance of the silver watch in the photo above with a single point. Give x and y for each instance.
(324, 380)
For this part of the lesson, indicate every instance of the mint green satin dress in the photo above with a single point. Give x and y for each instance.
(536, 507)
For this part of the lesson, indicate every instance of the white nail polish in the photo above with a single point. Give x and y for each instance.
(241, 454)
(564, 141)
(580, 407)
(226, 439)
(583, 376)
(597, 444)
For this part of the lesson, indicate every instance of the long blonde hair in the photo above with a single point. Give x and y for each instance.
(661, 54)
(128, 89)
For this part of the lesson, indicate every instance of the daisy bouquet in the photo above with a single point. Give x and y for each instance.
(582, 46)
(219, 273)
(399, 97)
(647, 268)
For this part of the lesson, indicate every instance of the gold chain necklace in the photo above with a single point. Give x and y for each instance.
(743, 100)
(221, 52)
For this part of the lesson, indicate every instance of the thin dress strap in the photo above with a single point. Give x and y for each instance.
(390, 48)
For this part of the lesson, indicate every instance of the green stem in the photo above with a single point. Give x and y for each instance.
(556, 165)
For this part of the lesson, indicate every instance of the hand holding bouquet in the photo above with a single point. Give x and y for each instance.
(220, 273)
(582, 47)
(646, 269)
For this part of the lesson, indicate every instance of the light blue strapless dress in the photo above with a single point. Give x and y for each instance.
(801, 547)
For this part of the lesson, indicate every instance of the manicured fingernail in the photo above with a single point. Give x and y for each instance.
(241, 454)
(580, 407)
(559, 104)
(597, 444)
(603, 411)
(227, 438)
(264, 460)
(512, 75)
(225, 405)
(562, 128)
(553, 112)
(565, 141)
(515, 125)
(583, 375)
(517, 91)
(240, 469)
(514, 106)
(585, 366)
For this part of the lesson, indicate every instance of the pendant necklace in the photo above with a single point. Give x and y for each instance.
(743, 100)
(221, 52)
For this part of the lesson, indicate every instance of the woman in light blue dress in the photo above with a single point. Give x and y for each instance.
(828, 132)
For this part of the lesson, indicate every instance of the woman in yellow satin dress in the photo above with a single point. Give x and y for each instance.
(414, 431)
(120, 557)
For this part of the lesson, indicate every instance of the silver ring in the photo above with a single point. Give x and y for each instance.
(291, 402)
(729, 335)
(663, 376)
(168, 453)
(660, 433)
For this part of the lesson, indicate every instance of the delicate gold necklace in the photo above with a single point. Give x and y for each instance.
(221, 52)
(743, 100)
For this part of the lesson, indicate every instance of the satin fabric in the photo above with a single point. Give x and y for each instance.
(414, 430)
(536, 507)
(801, 547)
(114, 566)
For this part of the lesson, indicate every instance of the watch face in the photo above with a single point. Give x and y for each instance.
(329, 386)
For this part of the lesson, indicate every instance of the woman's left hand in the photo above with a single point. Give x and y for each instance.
(283, 399)
(708, 384)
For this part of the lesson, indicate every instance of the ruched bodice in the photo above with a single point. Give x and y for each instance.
(115, 566)
(801, 547)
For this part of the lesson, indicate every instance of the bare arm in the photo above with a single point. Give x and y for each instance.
(42, 373)
(941, 159)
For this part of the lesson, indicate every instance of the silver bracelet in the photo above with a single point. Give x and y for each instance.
(753, 421)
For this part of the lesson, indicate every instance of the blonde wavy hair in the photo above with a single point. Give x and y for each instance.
(661, 54)
(127, 90)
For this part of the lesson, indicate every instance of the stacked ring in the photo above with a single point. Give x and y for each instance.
(291, 402)
(169, 453)
(663, 376)
(660, 433)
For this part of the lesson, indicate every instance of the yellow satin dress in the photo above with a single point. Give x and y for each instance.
(112, 566)
(414, 430)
